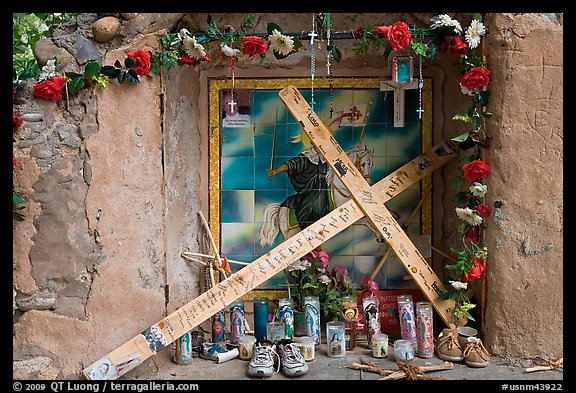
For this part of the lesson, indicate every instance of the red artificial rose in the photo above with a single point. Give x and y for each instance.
(187, 59)
(475, 170)
(16, 120)
(483, 210)
(50, 89)
(472, 234)
(475, 272)
(457, 47)
(397, 35)
(475, 77)
(253, 45)
(13, 160)
(141, 61)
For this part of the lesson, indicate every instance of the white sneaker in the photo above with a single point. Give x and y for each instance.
(293, 363)
(262, 362)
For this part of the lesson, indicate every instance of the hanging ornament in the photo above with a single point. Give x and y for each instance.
(329, 64)
(420, 83)
(312, 34)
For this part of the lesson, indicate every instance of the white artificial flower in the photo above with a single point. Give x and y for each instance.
(466, 90)
(49, 70)
(193, 48)
(324, 279)
(281, 43)
(446, 21)
(478, 189)
(457, 285)
(228, 51)
(469, 215)
(474, 32)
(183, 34)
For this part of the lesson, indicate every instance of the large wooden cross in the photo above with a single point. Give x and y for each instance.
(366, 200)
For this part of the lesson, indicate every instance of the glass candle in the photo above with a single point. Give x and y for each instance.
(219, 328)
(406, 316)
(260, 318)
(236, 321)
(183, 352)
(336, 344)
(286, 316)
(380, 345)
(424, 330)
(307, 346)
(403, 350)
(275, 331)
(349, 312)
(370, 305)
(246, 346)
(312, 316)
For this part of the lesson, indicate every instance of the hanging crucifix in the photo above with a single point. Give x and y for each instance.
(402, 80)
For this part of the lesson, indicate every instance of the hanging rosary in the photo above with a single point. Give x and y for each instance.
(312, 59)
(232, 74)
(420, 84)
(329, 64)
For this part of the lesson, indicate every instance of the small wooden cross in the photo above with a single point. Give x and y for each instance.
(399, 97)
(232, 104)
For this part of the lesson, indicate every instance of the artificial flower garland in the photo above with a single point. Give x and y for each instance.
(445, 35)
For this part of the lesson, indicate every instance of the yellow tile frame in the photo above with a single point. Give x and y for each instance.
(215, 85)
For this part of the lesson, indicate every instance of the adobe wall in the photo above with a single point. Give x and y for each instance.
(115, 178)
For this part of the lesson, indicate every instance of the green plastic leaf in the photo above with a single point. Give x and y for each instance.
(117, 64)
(477, 17)
(122, 76)
(461, 199)
(297, 43)
(91, 68)
(132, 76)
(484, 97)
(461, 138)
(75, 85)
(17, 198)
(476, 122)
(419, 48)
(110, 72)
(464, 118)
(129, 62)
(247, 23)
(271, 26)
(336, 54)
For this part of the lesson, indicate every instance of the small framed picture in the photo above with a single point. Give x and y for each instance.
(402, 69)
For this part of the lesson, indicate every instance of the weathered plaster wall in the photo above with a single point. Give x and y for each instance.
(116, 178)
(525, 309)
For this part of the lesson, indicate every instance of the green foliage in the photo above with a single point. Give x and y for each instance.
(27, 29)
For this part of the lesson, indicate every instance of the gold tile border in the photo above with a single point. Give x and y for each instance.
(217, 84)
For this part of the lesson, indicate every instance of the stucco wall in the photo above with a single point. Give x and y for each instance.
(116, 178)
(524, 315)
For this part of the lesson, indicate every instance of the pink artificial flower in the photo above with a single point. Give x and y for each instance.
(323, 255)
(370, 285)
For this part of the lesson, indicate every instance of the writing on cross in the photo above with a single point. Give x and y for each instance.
(153, 339)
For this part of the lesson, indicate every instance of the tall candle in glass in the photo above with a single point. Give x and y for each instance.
(219, 328)
(406, 316)
(424, 330)
(370, 305)
(236, 321)
(286, 316)
(335, 341)
(260, 318)
(312, 317)
(349, 312)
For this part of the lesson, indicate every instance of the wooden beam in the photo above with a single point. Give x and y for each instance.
(371, 202)
(152, 340)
